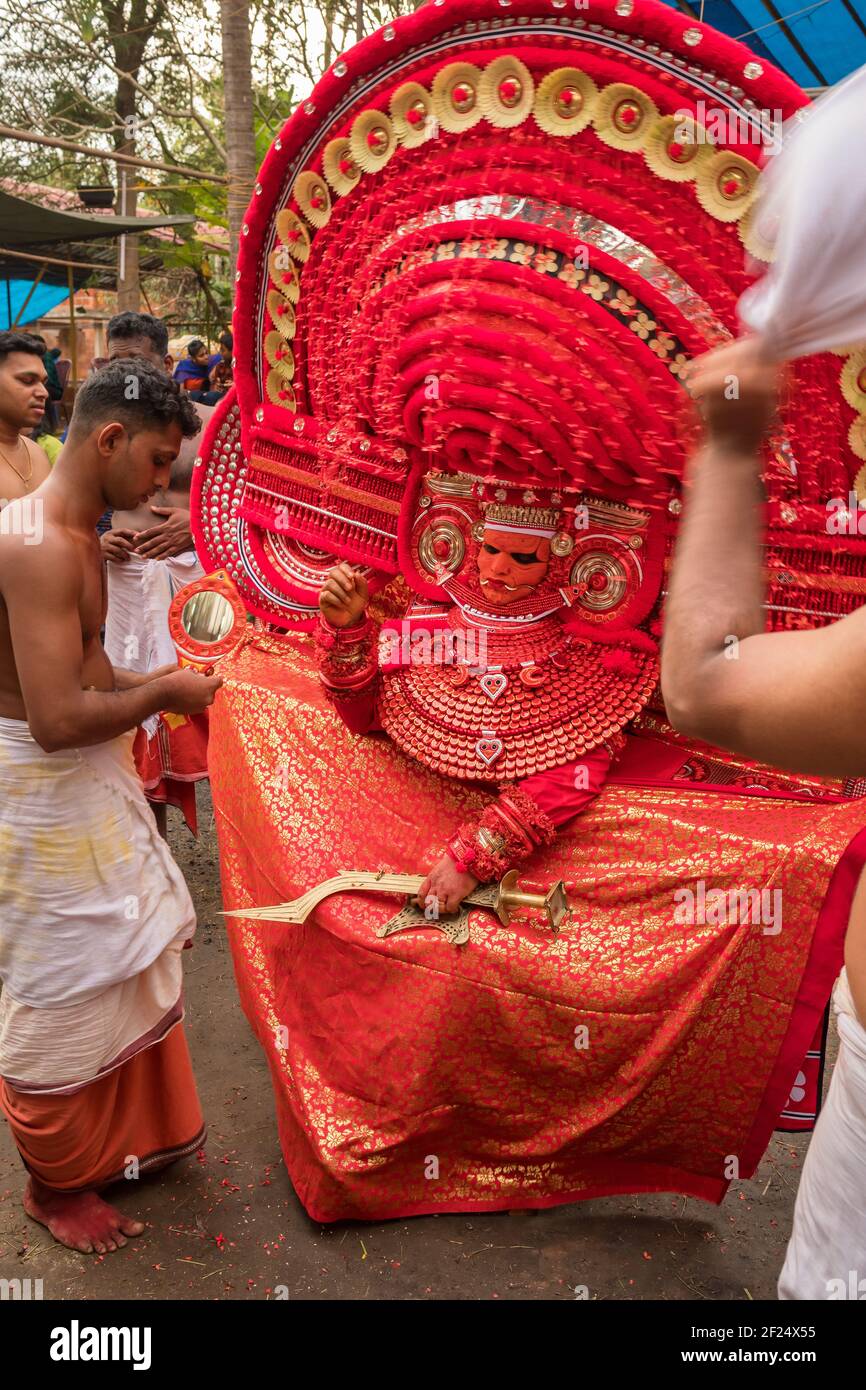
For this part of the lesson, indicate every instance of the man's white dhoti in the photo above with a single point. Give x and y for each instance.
(91, 900)
(826, 1256)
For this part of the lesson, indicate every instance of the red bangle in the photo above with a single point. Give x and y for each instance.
(462, 854)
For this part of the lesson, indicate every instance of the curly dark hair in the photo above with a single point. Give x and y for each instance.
(20, 342)
(137, 395)
(129, 325)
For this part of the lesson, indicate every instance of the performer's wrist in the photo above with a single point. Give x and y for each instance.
(353, 631)
(462, 852)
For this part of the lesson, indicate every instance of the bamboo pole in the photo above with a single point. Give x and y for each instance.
(9, 132)
(52, 260)
(73, 345)
(29, 296)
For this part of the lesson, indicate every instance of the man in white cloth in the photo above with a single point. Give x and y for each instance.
(96, 1077)
(771, 704)
(148, 562)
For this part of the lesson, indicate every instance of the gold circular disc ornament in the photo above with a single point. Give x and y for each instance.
(312, 197)
(372, 141)
(339, 167)
(676, 147)
(279, 391)
(280, 355)
(754, 243)
(283, 270)
(455, 96)
(564, 101)
(282, 315)
(507, 92)
(857, 439)
(853, 381)
(441, 546)
(562, 544)
(293, 234)
(411, 110)
(623, 116)
(605, 579)
(727, 185)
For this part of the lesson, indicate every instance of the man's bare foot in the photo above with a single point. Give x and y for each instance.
(80, 1220)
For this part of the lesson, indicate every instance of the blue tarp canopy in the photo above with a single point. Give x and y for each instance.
(817, 42)
(13, 293)
(61, 236)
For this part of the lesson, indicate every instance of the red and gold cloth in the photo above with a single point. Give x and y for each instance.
(172, 760)
(412, 1076)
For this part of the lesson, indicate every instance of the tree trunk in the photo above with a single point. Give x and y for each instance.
(239, 129)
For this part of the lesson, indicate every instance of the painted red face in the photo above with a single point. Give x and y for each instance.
(511, 564)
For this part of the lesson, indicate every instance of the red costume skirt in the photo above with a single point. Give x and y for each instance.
(629, 1053)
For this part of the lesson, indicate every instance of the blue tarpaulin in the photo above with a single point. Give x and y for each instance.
(817, 43)
(13, 294)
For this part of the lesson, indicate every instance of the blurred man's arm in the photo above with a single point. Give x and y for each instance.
(795, 699)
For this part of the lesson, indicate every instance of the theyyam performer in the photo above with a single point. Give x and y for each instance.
(476, 265)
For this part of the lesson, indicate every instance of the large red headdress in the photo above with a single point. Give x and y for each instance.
(476, 263)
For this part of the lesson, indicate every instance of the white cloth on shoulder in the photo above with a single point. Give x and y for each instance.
(826, 1257)
(89, 892)
(137, 636)
(813, 212)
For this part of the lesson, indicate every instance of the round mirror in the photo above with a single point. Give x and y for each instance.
(207, 617)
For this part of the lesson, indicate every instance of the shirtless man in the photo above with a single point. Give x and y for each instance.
(93, 911)
(23, 394)
(772, 703)
(148, 563)
(143, 336)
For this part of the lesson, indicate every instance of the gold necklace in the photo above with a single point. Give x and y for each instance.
(26, 481)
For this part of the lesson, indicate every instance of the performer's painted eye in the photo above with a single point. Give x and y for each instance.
(491, 549)
(522, 558)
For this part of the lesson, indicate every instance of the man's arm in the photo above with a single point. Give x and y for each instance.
(794, 699)
(41, 589)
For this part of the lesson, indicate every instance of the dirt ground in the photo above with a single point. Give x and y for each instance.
(227, 1225)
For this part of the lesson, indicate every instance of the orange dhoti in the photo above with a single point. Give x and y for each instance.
(147, 1109)
(631, 1052)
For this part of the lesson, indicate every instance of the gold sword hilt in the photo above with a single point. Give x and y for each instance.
(509, 898)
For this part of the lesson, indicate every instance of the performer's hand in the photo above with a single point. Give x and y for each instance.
(344, 596)
(170, 537)
(737, 390)
(117, 546)
(446, 886)
(189, 692)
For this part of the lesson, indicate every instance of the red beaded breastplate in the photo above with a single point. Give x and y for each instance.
(532, 698)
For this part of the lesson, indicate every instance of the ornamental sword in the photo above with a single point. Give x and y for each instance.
(501, 898)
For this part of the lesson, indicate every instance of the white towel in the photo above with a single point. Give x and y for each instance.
(89, 893)
(813, 211)
(137, 636)
(826, 1257)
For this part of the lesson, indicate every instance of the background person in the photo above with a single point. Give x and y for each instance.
(149, 560)
(23, 396)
